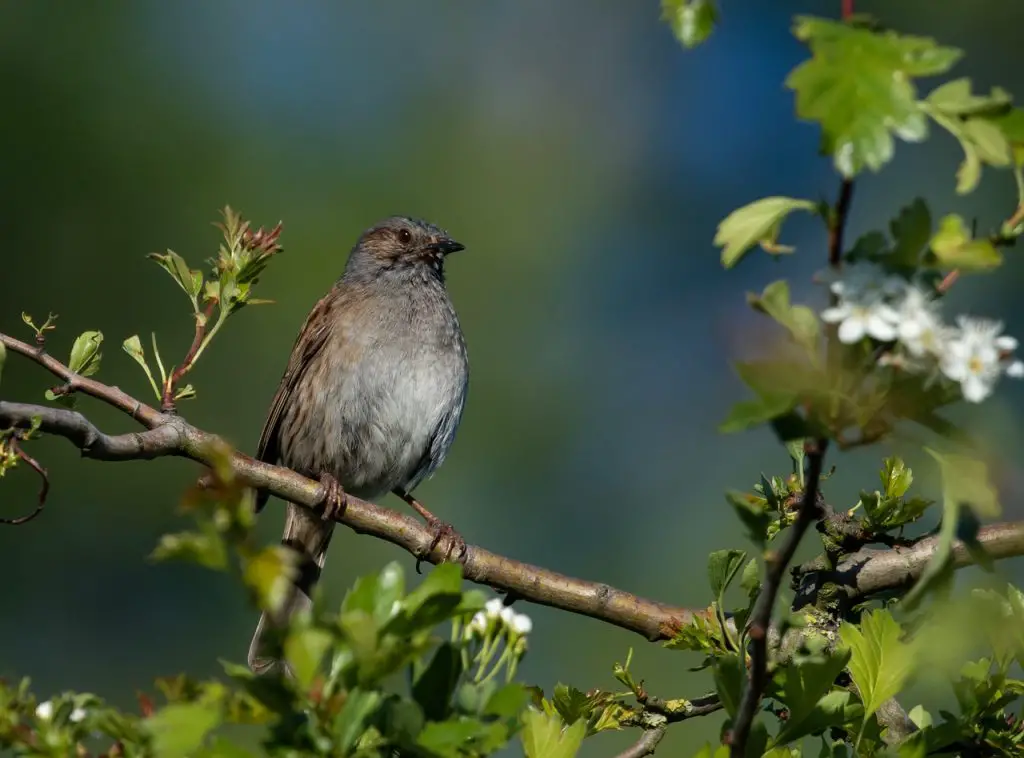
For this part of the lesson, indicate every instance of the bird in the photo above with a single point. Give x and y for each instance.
(371, 397)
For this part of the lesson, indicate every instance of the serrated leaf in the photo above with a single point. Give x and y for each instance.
(436, 599)
(434, 686)
(692, 21)
(966, 481)
(754, 514)
(953, 247)
(304, 649)
(729, 675)
(205, 548)
(179, 729)
(723, 566)
(270, 574)
(896, 477)
(880, 662)
(544, 737)
(806, 691)
(911, 230)
(859, 86)
(750, 225)
(190, 281)
(799, 320)
(85, 353)
(349, 725)
(572, 704)
(966, 116)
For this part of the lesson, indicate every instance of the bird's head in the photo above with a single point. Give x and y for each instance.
(401, 244)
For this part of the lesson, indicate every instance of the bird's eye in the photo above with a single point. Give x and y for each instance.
(405, 236)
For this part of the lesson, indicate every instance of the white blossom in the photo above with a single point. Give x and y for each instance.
(493, 607)
(477, 625)
(521, 624)
(44, 711)
(507, 615)
(867, 315)
(919, 327)
(978, 355)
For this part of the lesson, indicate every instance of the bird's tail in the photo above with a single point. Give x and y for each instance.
(307, 533)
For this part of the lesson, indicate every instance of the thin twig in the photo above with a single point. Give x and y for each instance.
(837, 227)
(760, 620)
(167, 404)
(44, 487)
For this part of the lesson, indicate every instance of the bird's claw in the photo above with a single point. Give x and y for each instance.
(455, 543)
(334, 498)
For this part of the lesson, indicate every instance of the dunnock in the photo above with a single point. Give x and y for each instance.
(372, 395)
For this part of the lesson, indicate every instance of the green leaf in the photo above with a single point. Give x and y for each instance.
(571, 703)
(179, 729)
(544, 737)
(507, 701)
(911, 230)
(85, 353)
(965, 482)
(270, 574)
(304, 649)
(722, 568)
(1012, 125)
(449, 738)
(729, 677)
(799, 320)
(189, 280)
(750, 581)
(436, 599)
(754, 513)
(896, 477)
(806, 690)
(966, 117)
(953, 247)
(221, 748)
(205, 548)
(880, 663)
(859, 86)
(692, 21)
(350, 724)
(133, 346)
(754, 224)
(749, 413)
(434, 686)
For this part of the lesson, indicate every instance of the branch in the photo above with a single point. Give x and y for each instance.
(169, 435)
(761, 617)
(872, 571)
(837, 225)
(647, 743)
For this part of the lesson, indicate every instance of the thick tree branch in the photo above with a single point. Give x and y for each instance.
(169, 435)
(761, 616)
(647, 743)
(872, 571)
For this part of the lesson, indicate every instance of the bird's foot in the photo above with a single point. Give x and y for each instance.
(441, 530)
(333, 499)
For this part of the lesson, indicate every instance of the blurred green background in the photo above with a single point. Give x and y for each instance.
(584, 159)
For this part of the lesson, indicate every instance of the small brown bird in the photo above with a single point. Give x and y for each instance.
(372, 395)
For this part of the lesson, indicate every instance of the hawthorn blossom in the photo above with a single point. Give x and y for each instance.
(44, 711)
(864, 315)
(978, 355)
(919, 327)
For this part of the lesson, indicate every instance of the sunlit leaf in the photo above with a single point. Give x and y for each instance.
(692, 21)
(859, 86)
(85, 353)
(880, 662)
(953, 247)
(753, 224)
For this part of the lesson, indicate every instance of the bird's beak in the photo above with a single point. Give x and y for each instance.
(447, 245)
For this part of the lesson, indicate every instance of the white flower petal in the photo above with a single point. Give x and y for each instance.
(77, 715)
(493, 607)
(851, 331)
(1006, 343)
(507, 615)
(45, 710)
(879, 327)
(522, 624)
(836, 314)
(975, 388)
(1015, 370)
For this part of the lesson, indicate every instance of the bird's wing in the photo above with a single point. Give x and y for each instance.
(308, 344)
